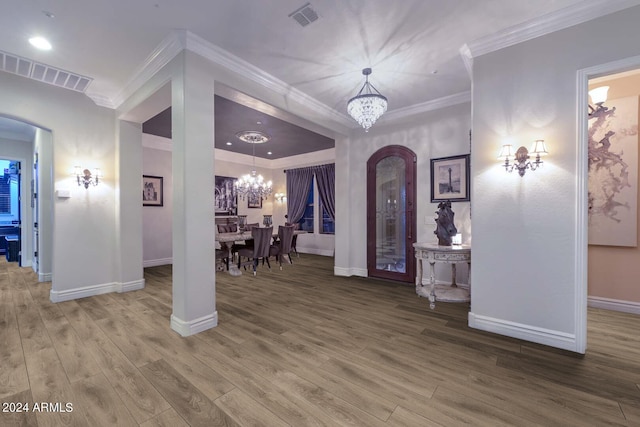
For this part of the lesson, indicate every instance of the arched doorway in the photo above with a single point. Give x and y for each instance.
(391, 217)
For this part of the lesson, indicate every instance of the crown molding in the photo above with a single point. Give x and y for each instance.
(434, 104)
(168, 48)
(545, 24)
(101, 100)
(300, 160)
(217, 55)
(467, 59)
(156, 142)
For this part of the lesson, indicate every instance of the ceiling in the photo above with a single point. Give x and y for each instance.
(413, 46)
(285, 139)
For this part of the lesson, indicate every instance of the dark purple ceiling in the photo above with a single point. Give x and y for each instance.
(286, 139)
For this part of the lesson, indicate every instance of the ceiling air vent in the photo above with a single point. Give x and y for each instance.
(304, 15)
(24, 67)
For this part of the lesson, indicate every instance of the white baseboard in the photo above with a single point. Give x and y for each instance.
(89, 291)
(614, 304)
(131, 286)
(157, 262)
(316, 251)
(544, 336)
(342, 271)
(86, 291)
(45, 277)
(192, 327)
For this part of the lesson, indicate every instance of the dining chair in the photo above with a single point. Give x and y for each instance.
(222, 255)
(228, 228)
(284, 245)
(261, 248)
(249, 227)
(296, 226)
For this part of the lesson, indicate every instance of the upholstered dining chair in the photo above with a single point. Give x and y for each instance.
(261, 248)
(284, 245)
(222, 255)
(296, 226)
(228, 228)
(249, 227)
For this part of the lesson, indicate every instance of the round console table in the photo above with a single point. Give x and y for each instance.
(434, 253)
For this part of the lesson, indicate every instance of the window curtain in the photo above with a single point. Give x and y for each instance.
(326, 180)
(298, 182)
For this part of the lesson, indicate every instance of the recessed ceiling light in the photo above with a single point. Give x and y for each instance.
(269, 153)
(229, 143)
(258, 122)
(40, 43)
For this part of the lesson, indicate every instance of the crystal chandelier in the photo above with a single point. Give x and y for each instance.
(253, 185)
(368, 105)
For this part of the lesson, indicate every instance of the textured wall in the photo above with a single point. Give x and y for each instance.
(524, 229)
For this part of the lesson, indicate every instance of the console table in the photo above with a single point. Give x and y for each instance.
(434, 253)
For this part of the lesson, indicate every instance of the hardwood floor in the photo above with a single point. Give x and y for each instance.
(298, 347)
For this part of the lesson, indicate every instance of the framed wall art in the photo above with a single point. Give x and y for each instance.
(152, 190)
(226, 199)
(254, 201)
(450, 179)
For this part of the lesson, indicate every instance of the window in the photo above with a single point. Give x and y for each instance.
(306, 222)
(8, 190)
(328, 225)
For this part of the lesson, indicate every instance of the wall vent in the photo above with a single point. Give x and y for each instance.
(304, 15)
(43, 73)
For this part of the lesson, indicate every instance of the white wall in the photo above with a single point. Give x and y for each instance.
(525, 229)
(43, 147)
(84, 226)
(440, 133)
(156, 220)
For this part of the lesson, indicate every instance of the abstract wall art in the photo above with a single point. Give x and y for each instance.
(613, 173)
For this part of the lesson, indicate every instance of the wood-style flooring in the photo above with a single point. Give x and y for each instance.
(297, 347)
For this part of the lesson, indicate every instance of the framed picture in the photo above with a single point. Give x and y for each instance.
(450, 179)
(152, 190)
(226, 199)
(254, 202)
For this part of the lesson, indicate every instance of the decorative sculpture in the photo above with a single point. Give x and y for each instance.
(445, 228)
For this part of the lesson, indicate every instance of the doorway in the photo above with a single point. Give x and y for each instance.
(391, 218)
(582, 223)
(10, 214)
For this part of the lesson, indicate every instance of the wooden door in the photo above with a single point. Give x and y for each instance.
(391, 218)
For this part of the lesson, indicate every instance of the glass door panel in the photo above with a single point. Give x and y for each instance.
(390, 215)
(391, 175)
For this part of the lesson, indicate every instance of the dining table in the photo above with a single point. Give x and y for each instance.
(237, 237)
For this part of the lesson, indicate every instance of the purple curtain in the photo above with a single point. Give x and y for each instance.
(326, 180)
(298, 182)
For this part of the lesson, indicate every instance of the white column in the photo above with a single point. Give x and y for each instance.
(193, 204)
(129, 206)
(342, 258)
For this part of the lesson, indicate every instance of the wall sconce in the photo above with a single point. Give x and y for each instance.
(280, 197)
(85, 178)
(521, 158)
(598, 97)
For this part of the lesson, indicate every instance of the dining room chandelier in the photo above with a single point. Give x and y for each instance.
(253, 185)
(368, 105)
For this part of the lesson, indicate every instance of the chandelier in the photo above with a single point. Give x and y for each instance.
(368, 105)
(253, 185)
